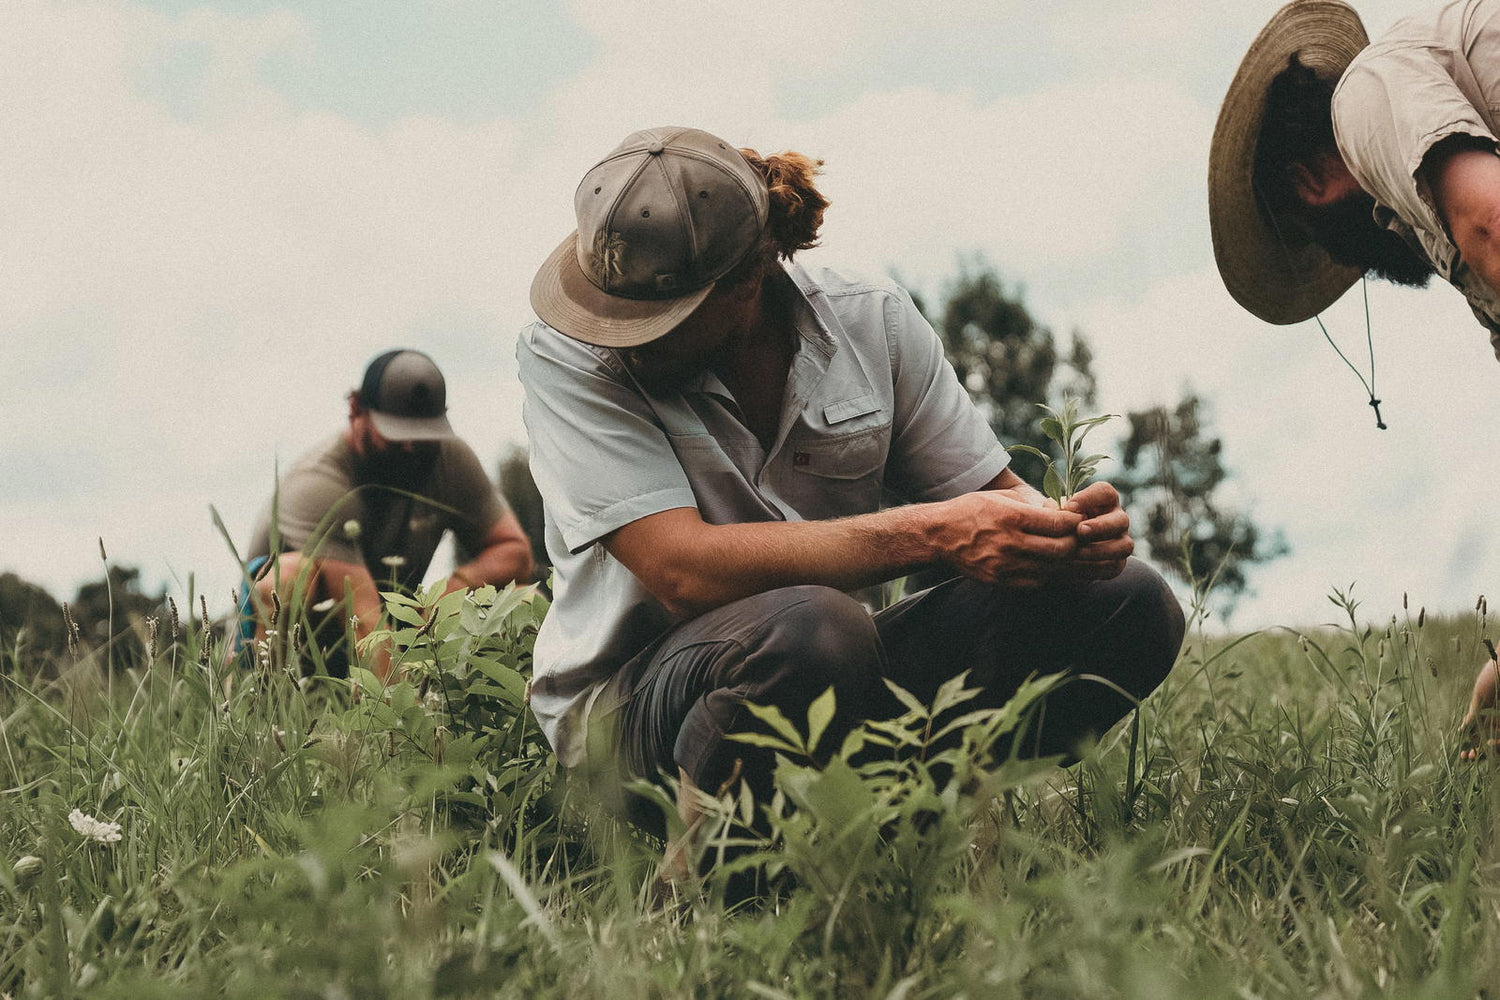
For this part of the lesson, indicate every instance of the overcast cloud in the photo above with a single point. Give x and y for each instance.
(202, 246)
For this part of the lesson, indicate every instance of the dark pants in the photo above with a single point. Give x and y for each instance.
(671, 706)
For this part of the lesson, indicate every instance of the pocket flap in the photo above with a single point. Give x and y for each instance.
(848, 409)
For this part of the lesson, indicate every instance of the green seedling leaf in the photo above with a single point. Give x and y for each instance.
(767, 741)
(819, 714)
(771, 716)
(404, 612)
(1029, 450)
(906, 698)
(1052, 485)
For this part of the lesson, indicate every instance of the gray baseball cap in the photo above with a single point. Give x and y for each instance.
(406, 396)
(660, 220)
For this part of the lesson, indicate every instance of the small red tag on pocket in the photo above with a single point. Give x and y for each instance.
(801, 458)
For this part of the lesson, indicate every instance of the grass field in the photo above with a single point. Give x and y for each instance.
(1286, 818)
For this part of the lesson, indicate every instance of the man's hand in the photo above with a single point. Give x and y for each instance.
(1004, 536)
(1103, 534)
(506, 556)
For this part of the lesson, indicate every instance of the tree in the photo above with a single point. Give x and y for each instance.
(1171, 471)
(112, 612)
(1172, 467)
(520, 491)
(1007, 360)
(28, 611)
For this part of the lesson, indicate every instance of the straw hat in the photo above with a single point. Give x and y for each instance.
(1271, 270)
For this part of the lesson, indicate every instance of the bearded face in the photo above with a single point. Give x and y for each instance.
(1348, 231)
(405, 465)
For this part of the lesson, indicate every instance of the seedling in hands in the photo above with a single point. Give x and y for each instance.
(1068, 475)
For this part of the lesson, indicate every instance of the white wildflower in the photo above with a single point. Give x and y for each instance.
(324, 605)
(394, 562)
(97, 830)
(351, 528)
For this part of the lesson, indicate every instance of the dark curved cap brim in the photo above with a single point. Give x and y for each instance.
(1279, 276)
(393, 427)
(567, 301)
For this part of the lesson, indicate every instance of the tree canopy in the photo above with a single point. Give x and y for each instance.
(1170, 463)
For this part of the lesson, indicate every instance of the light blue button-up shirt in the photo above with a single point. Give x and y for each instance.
(871, 403)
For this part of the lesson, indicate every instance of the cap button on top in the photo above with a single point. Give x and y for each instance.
(655, 148)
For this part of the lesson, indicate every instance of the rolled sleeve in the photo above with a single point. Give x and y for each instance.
(599, 458)
(941, 446)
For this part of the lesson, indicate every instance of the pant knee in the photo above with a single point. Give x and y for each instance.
(1155, 620)
(826, 637)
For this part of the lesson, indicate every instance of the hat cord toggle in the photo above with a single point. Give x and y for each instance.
(1370, 343)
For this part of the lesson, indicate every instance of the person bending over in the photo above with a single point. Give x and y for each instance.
(365, 509)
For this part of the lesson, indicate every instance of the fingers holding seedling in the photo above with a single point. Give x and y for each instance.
(1066, 430)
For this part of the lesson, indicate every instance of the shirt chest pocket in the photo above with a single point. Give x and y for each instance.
(839, 471)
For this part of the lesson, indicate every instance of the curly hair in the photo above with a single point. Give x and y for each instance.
(794, 215)
(1297, 125)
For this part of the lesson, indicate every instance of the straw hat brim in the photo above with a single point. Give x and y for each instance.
(1272, 271)
(566, 300)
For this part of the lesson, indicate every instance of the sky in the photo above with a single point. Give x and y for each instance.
(213, 214)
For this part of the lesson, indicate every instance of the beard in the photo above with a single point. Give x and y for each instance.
(1347, 230)
(398, 468)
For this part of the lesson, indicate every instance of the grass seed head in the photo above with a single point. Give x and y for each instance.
(26, 870)
(70, 627)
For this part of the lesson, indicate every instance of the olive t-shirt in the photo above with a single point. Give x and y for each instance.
(326, 508)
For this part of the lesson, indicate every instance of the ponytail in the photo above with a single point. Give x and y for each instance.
(796, 206)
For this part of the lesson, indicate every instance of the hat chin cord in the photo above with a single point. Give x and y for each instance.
(1370, 343)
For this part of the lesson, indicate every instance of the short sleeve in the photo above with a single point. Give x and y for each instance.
(474, 499)
(941, 446)
(599, 457)
(313, 507)
(1392, 105)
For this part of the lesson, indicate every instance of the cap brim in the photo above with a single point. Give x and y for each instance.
(567, 301)
(1275, 273)
(397, 428)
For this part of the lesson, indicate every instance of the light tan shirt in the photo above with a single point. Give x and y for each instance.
(1432, 76)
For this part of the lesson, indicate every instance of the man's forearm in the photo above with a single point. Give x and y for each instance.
(498, 565)
(711, 565)
(992, 535)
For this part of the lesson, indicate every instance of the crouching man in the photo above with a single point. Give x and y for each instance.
(711, 427)
(366, 509)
